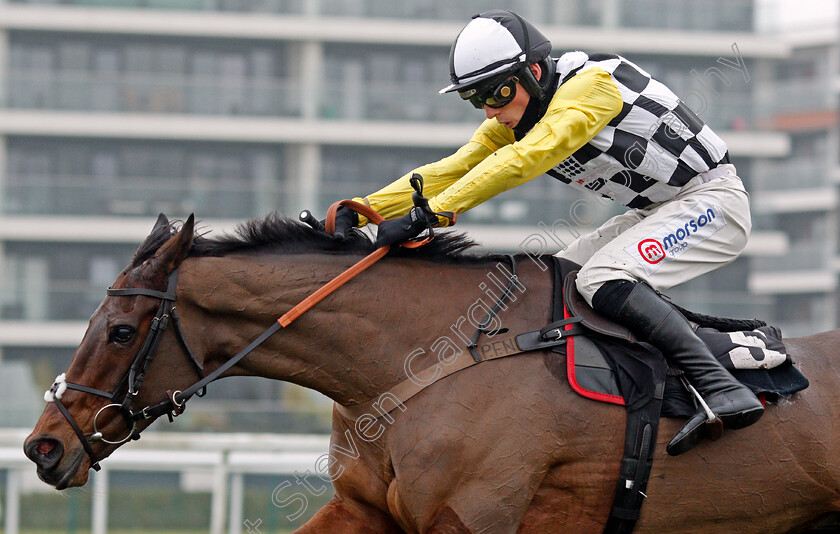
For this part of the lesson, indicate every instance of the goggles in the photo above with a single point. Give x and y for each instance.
(495, 97)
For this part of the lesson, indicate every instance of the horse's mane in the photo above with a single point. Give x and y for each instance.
(276, 234)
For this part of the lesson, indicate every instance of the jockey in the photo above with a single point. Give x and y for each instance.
(599, 123)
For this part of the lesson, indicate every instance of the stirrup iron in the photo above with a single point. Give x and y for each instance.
(714, 424)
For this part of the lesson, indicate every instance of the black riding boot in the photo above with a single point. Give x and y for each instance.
(654, 319)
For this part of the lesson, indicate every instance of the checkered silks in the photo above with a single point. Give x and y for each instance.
(650, 150)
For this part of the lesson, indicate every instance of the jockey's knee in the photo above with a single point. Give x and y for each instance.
(605, 295)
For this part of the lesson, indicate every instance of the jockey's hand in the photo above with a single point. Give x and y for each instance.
(409, 225)
(345, 219)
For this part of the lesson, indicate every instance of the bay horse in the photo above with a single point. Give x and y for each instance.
(501, 447)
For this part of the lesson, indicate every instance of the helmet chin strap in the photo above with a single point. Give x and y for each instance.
(531, 84)
(541, 95)
(539, 89)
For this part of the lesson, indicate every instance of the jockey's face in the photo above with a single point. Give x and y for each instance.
(510, 114)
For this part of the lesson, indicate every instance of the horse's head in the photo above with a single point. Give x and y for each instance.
(97, 404)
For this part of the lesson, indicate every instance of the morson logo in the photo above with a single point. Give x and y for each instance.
(691, 227)
(651, 251)
(682, 233)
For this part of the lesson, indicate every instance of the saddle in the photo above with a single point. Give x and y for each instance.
(606, 362)
(750, 349)
(578, 307)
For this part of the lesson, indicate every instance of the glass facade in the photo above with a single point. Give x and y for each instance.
(51, 281)
(141, 178)
(368, 82)
(709, 15)
(389, 83)
(724, 292)
(346, 175)
(130, 178)
(143, 75)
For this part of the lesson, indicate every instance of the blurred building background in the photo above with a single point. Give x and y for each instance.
(112, 111)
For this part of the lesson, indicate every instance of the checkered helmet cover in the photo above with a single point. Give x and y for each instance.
(494, 44)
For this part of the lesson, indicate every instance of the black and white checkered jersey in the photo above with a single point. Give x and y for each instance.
(650, 150)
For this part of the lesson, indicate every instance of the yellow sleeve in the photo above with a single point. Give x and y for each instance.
(394, 200)
(581, 107)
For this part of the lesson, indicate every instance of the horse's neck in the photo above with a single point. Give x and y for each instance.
(347, 346)
(351, 346)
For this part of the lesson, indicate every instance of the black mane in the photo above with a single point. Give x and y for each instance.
(276, 234)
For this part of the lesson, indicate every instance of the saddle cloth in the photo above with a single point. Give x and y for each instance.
(609, 364)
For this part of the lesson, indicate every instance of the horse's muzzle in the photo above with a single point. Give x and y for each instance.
(56, 466)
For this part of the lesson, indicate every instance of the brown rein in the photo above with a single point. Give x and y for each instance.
(343, 278)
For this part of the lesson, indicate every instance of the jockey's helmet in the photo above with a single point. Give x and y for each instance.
(492, 47)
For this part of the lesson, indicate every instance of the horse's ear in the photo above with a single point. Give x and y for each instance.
(161, 226)
(173, 252)
(162, 222)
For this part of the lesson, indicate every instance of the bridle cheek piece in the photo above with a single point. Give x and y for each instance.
(176, 400)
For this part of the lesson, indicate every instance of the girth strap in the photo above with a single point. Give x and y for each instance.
(642, 420)
(639, 446)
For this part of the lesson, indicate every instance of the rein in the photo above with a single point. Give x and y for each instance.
(175, 402)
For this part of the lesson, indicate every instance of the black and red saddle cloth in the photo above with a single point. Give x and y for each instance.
(608, 363)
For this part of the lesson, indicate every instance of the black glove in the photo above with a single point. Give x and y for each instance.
(409, 225)
(345, 219)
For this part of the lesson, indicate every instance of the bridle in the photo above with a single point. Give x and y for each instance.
(175, 401)
(133, 379)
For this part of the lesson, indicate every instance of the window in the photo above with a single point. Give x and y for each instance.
(141, 178)
(165, 75)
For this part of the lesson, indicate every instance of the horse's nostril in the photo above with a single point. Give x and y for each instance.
(45, 452)
(46, 446)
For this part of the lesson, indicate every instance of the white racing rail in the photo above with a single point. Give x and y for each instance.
(225, 457)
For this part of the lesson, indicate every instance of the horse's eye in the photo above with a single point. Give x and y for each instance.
(122, 334)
